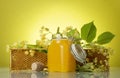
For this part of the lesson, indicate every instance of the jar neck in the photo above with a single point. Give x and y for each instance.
(62, 40)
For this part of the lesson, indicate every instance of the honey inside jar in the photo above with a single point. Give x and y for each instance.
(60, 58)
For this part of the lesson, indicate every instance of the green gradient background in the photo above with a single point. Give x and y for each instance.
(21, 20)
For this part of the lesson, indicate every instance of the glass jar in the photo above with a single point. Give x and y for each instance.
(60, 59)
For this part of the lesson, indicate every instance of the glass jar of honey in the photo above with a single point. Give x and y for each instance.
(60, 59)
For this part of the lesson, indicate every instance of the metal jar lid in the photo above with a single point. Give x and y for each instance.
(78, 52)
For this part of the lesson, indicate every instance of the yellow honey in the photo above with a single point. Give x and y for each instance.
(60, 58)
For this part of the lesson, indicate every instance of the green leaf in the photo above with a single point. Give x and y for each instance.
(30, 46)
(74, 33)
(71, 33)
(105, 37)
(88, 32)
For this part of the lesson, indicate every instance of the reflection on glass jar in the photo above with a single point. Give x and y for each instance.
(61, 75)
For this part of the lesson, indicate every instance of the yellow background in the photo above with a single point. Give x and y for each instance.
(21, 20)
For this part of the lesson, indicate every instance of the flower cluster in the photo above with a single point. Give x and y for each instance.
(41, 44)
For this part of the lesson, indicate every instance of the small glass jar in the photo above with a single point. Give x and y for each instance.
(60, 59)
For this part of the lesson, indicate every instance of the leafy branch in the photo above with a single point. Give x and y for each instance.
(88, 34)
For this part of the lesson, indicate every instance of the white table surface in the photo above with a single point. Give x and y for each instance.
(6, 73)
